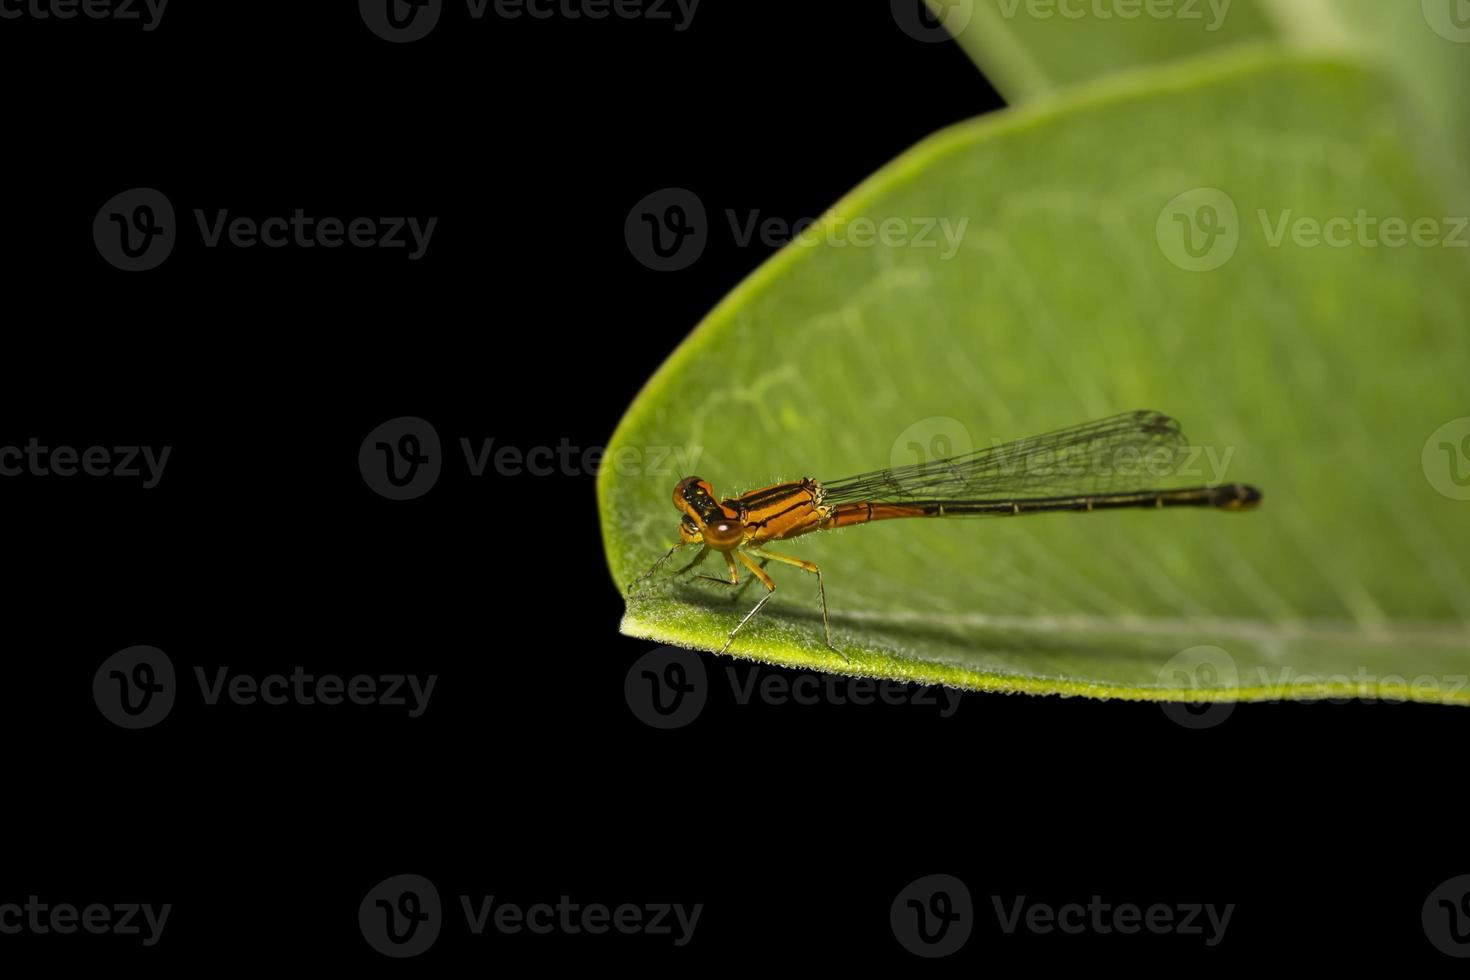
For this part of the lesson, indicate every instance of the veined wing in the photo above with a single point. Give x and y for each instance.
(1126, 452)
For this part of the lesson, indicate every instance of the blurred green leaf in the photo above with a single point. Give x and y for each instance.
(1425, 44)
(1030, 48)
(1134, 243)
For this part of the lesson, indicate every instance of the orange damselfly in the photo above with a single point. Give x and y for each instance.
(1096, 466)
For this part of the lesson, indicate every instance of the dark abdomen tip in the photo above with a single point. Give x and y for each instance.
(1239, 496)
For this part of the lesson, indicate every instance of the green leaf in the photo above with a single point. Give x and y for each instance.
(1425, 45)
(1032, 48)
(1331, 377)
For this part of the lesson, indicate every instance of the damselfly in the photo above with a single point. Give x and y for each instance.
(1098, 466)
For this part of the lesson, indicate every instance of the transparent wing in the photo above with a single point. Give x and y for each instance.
(1125, 452)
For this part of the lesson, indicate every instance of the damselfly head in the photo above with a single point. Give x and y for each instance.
(717, 525)
(696, 498)
(689, 489)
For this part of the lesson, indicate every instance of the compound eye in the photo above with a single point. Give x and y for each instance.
(692, 491)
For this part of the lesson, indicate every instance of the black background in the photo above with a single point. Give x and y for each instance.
(529, 321)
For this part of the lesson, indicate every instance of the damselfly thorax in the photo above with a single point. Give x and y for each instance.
(1076, 469)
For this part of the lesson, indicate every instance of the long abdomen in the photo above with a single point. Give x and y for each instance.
(1230, 496)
